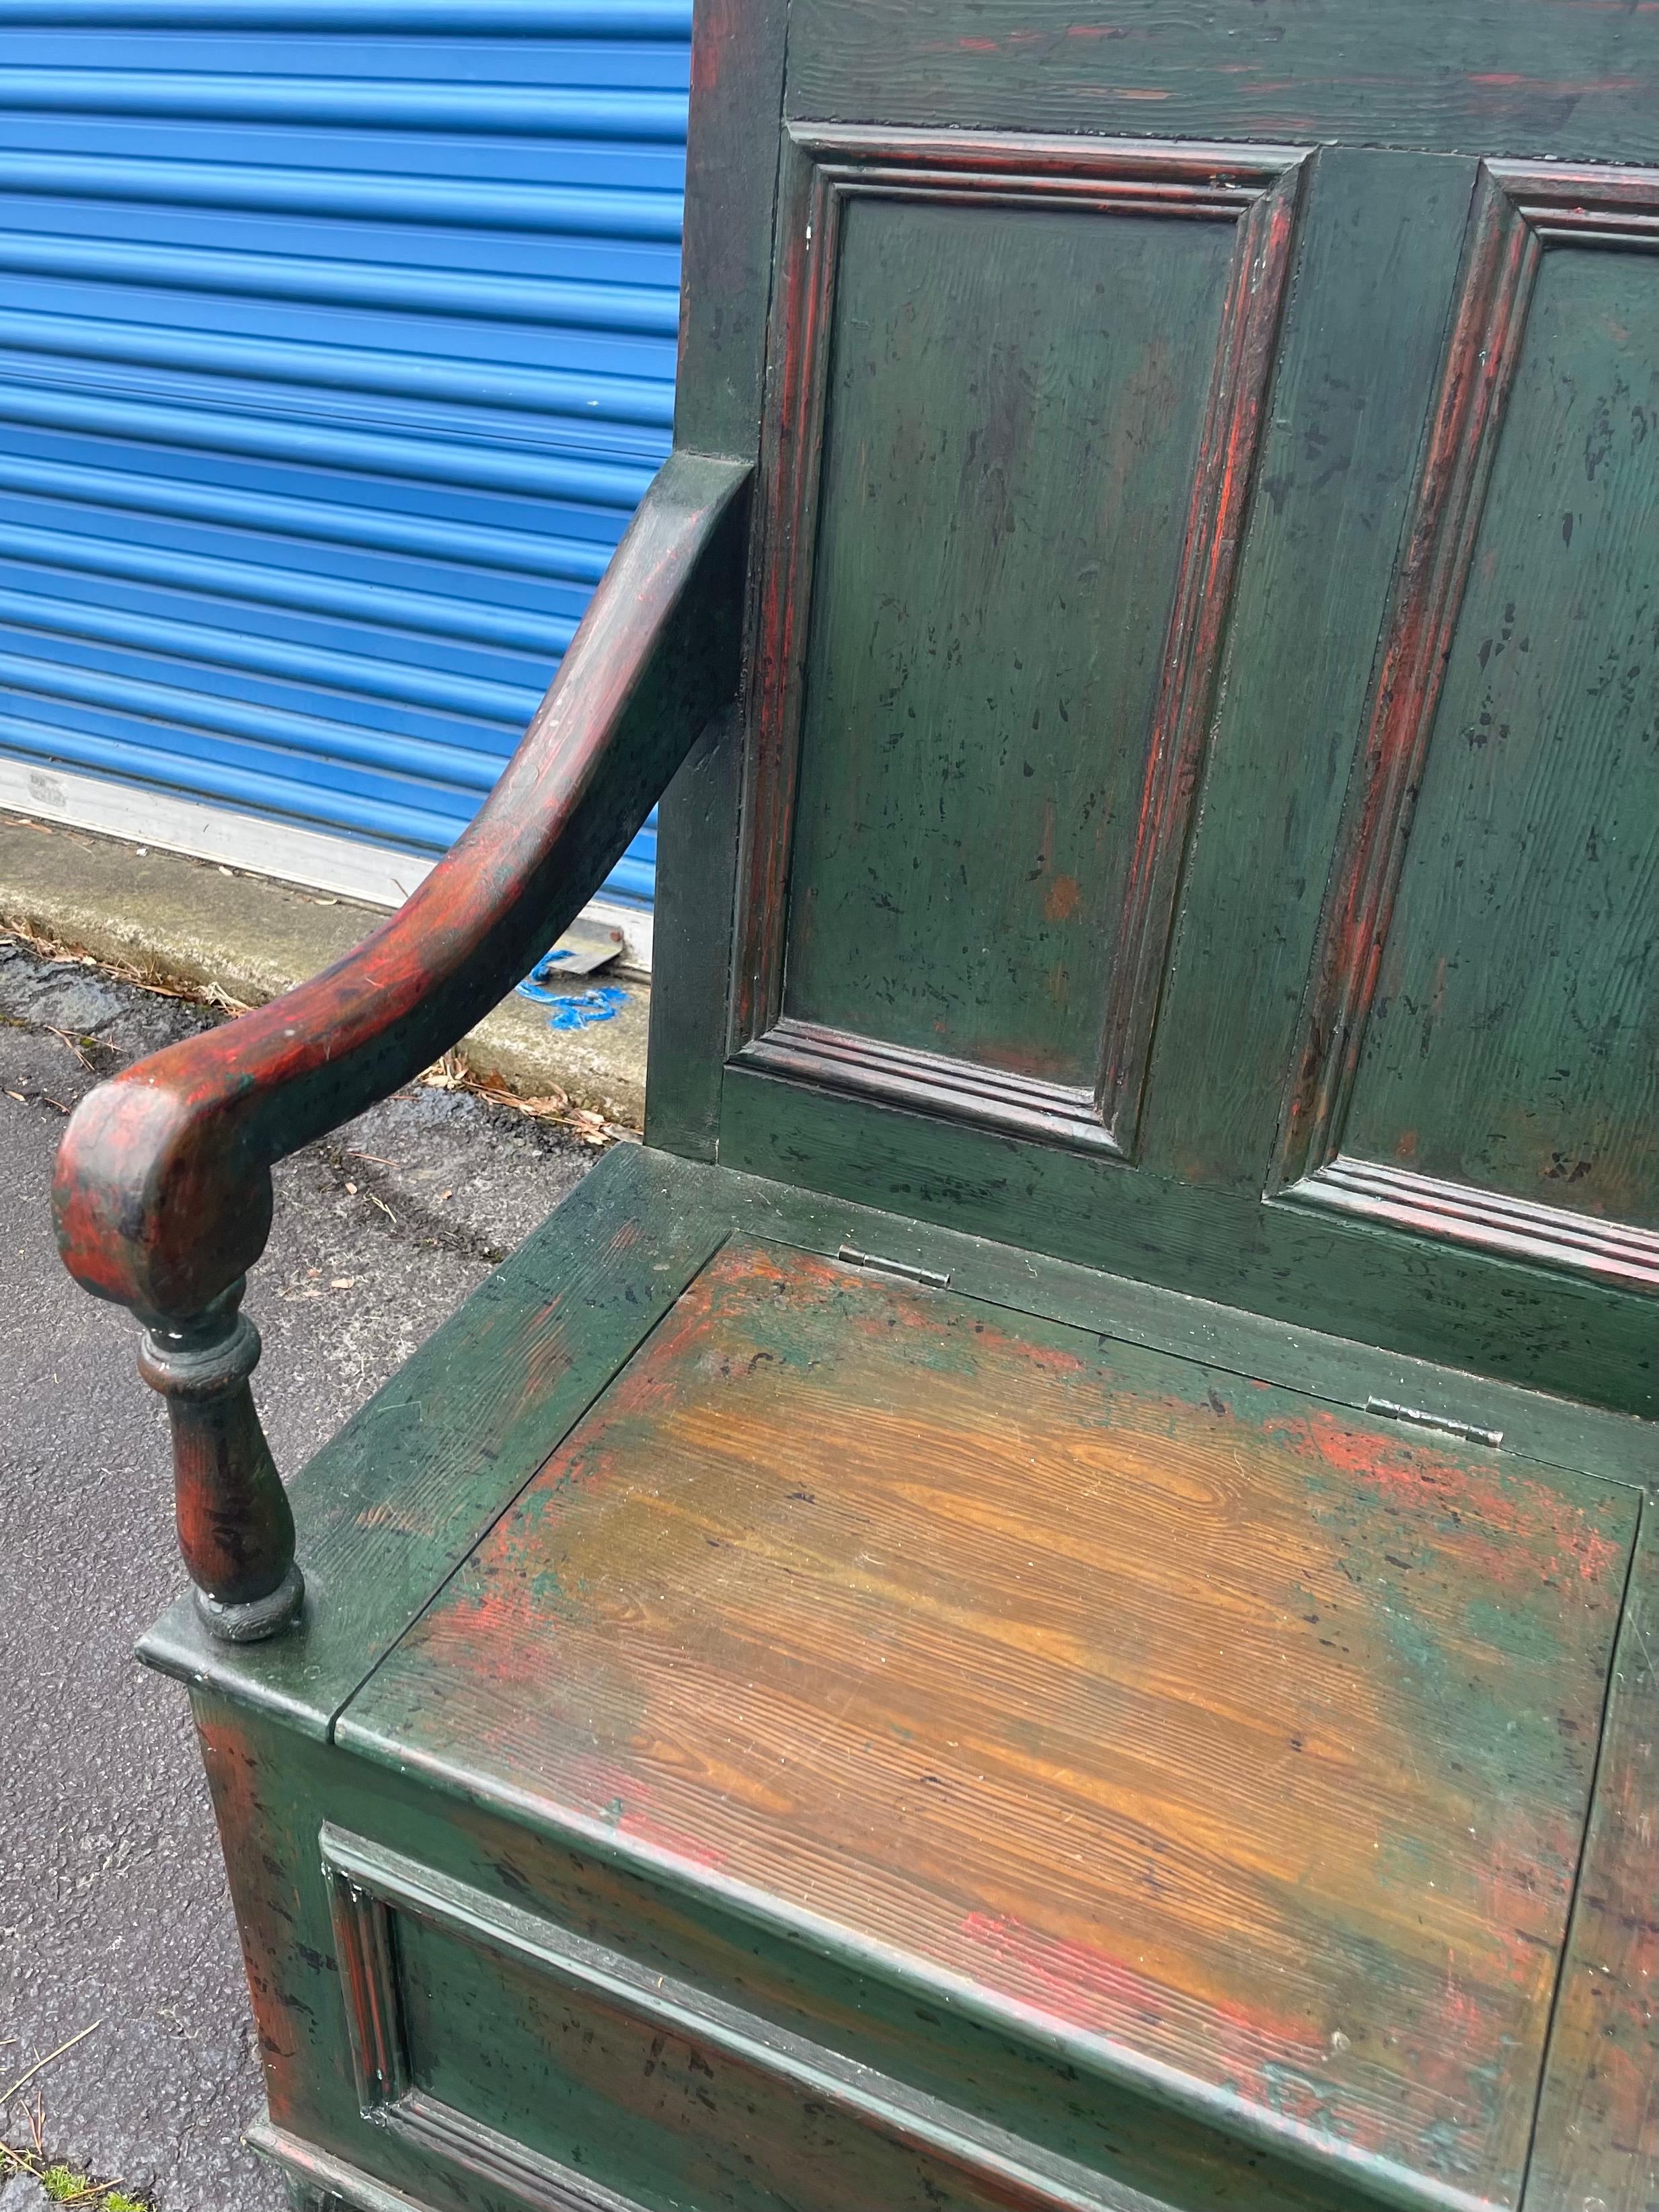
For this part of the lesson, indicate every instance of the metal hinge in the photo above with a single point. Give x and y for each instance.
(929, 1276)
(1470, 1432)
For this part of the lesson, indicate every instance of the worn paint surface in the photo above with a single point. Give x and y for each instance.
(1480, 1032)
(732, 167)
(163, 1194)
(1358, 364)
(1082, 823)
(1483, 76)
(483, 2039)
(397, 1500)
(979, 703)
(389, 1506)
(1004, 683)
(645, 2104)
(1598, 2121)
(1242, 1742)
(1523, 975)
(1524, 1324)
(983, 670)
(1184, 1773)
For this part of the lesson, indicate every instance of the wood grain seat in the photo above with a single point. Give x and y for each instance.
(1229, 1747)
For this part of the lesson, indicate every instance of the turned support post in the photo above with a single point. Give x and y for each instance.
(235, 1529)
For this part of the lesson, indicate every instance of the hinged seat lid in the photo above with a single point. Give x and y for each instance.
(1234, 1743)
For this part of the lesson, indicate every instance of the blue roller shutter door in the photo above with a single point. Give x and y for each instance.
(336, 348)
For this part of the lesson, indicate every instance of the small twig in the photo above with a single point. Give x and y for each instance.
(36, 2163)
(147, 983)
(452, 1074)
(6, 2096)
(50, 949)
(64, 1037)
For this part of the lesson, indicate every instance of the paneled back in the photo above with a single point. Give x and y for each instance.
(1192, 808)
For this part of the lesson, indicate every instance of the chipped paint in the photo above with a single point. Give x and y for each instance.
(875, 1600)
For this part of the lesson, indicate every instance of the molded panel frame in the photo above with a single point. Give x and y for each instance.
(1521, 211)
(1257, 189)
(369, 1886)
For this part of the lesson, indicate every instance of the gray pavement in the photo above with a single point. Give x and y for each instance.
(173, 920)
(112, 1906)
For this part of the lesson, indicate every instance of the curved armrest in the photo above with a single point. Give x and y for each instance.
(162, 1195)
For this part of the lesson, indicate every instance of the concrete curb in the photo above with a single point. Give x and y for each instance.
(205, 927)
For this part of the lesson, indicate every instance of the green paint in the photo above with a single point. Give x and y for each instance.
(1514, 1322)
(1013, 418)
(401, 1495)
(906, 2030)
(1009, 433)
(1576, 82)
(1361, 349)
(1493, 1739)
(462, 1441)
(697, 875)
(981, 661)
(1513, 1043)
(1594, 2119)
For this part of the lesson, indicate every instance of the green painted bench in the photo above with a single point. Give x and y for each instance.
(1047, 1598)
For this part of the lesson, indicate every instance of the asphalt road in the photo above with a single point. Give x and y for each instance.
(113, 1915)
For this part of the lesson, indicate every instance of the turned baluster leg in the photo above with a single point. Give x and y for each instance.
(234, 1527)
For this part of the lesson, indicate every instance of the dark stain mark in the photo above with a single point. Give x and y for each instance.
(1562, 1170)
(1598, 439)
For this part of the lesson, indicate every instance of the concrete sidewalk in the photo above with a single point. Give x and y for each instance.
(112, 1909)
(249, 938)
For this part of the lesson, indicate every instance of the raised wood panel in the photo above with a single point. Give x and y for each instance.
(1364, 330)
(1018, 390)
(1478, 1063)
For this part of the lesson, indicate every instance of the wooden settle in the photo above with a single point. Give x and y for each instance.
(1046, 1600)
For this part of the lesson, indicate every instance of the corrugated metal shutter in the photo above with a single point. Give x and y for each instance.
(337, 346)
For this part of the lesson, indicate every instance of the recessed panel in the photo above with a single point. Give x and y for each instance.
(1510, 1044)
(1015, 403)
(607, 2081)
